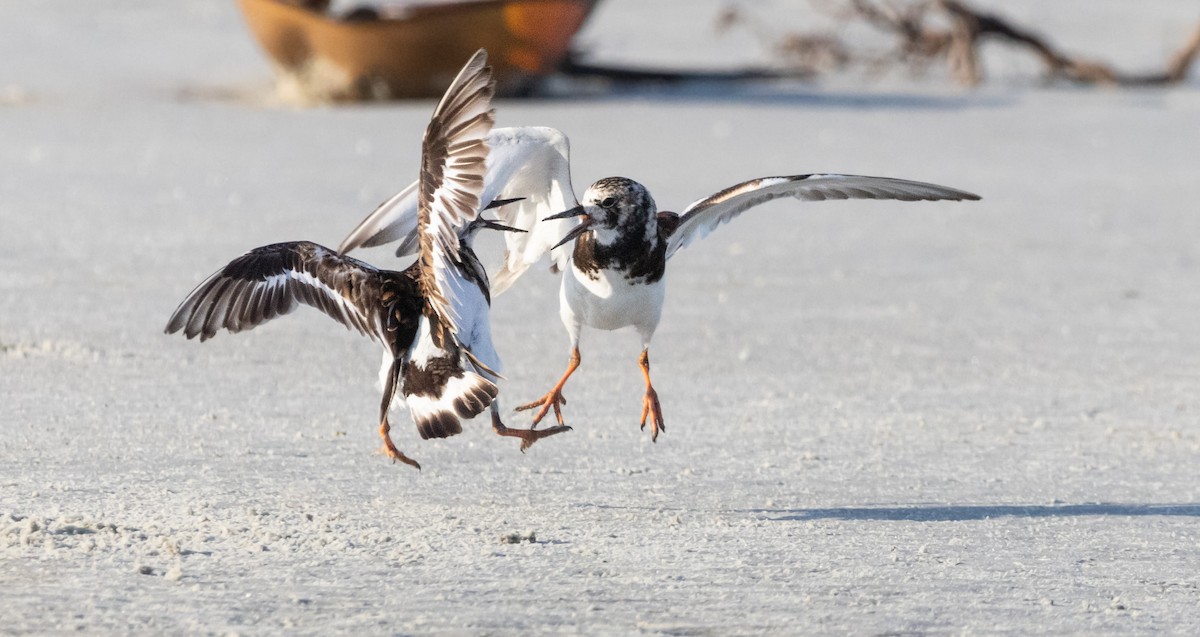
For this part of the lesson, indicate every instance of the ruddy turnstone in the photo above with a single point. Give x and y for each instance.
(614, 275)
(431, 319)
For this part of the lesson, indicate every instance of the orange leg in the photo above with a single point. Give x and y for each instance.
(650, 406)
(555, 398)
(527, 436)
(384, 428)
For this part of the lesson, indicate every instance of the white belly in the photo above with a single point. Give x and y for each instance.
(475, 329)
(611, 301)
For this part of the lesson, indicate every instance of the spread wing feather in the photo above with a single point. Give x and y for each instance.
(272, 281)
(393, 220)
(453, 161)
(533, 163)
(703, 216)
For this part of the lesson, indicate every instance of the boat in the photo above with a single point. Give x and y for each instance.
(411, 50)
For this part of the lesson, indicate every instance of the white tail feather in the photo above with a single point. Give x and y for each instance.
(463, 397)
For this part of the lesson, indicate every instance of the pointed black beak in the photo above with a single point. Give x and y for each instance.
(566, 214)
(576, 231)
(496, 203)
(488, 223)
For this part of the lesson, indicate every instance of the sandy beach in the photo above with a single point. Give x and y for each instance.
(883, 418)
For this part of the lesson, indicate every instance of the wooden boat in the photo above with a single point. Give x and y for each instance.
(318, 57)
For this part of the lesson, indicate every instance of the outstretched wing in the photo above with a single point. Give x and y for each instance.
(703, 216)
(394, 220)
(531, 163)
(271, 281)
(453, 156)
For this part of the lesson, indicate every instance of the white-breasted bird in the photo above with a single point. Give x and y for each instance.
(614, 275)
(431, 318)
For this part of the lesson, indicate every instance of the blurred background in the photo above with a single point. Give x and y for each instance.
(898, 418)
(316, 51)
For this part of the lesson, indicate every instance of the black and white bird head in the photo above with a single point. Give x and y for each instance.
(613, 208)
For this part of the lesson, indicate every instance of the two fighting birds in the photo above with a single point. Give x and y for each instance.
(611, 247)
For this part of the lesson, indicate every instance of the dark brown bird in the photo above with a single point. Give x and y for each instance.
(432, 318)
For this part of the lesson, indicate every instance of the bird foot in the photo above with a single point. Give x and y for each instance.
(554, 399)
(651, 408)
(389, 447)
(527, 436)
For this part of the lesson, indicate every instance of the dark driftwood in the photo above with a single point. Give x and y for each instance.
(918, 44)
(971, 27)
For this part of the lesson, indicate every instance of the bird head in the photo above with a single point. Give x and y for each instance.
(479, 223)
(612, 208)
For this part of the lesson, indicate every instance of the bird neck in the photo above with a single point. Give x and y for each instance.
(473, 268)
(638, 254)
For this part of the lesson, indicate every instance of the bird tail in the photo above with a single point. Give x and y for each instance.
(437, 413)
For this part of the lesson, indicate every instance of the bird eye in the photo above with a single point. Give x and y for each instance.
(608, 202)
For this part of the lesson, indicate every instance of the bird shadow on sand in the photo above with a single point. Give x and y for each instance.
(966, 513)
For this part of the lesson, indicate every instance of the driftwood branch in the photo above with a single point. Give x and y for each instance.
(919, 41)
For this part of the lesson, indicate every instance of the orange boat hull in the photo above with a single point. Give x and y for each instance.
(320, 58)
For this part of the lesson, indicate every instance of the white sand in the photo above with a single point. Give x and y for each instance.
(882, 418)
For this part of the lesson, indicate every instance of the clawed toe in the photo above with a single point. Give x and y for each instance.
(527, 436)
(652, 410)
(541, 402)
(650, 406)
(390, 449)
(396, 454)
(553, 400)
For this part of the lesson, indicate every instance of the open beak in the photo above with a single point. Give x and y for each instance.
(496, 203)
(577, 230)
(488, 223)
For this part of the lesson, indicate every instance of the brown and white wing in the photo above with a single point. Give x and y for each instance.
(703, 216)
(453, 161)
(393, 220)
(272, 281)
